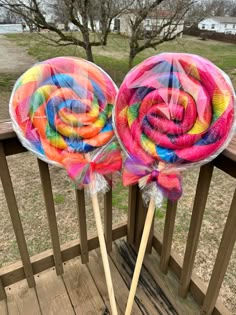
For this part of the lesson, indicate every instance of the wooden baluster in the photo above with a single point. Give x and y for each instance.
(203, 186)
(133, 190)
(108, 219)
(168, 235)
(2, 291)
(80, 200)
(222, 260)
(140, 218)
(15, 217)
(51, 214)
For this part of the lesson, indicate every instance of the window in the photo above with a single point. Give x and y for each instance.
(212, 26)
(148, 22)
(225, 25)
(203, 26)
(233, 25)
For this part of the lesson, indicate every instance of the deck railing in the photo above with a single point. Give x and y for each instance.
(207, 297)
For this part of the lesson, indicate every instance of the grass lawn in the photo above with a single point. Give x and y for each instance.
(114, 59)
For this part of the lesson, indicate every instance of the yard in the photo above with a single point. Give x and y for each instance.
(114, 59)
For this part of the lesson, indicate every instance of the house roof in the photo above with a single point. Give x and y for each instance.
(224, 19)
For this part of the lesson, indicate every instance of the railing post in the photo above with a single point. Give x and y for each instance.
(80, 200)
(2, 291)
(203, 186)
(168, 235)
(222, 260)
(15, 218)
(108, 219)
(51, 214)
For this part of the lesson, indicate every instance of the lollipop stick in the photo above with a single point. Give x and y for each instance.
(104, 253)
(141, 253)
(103, 248)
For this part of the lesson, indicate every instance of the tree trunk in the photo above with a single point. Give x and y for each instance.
(132, 54)
(89, 53)
(92, 24)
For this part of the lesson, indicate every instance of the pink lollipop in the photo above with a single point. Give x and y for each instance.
(173, 111)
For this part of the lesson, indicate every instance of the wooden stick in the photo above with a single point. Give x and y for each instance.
(103, 248)
(141, 253)
(104, 253)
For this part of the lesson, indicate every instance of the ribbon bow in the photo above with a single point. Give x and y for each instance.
(137, 172)
(82, 171)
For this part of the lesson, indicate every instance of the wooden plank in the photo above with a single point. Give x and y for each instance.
(15, 217)
(80, 201)
(225, 164)
(197, 287)
(52, 295)
(6, 132)
(43, 261)
(108, 219)
(51, 214)
(22, 300)
(3, 308)
(81, 288)
(2, 291)
(230, 151)
(12, 146)
(149, 296)
(168, 235)
(202, 190)
(131, 213)
(222, 260)
(169, 284)
(121, 291)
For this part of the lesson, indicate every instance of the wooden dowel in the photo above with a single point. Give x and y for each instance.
(141, 254)
(80, 200)
(168, 235)
(222, 260)
(140, 217)
(2, 291)
(203, 186)
(15, 217)
(51, 214)
(131, 213)
(103, 249)
(108, 219)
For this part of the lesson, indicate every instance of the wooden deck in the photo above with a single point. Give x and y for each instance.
(82, 290)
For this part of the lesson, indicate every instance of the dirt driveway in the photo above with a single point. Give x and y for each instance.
(14, 60)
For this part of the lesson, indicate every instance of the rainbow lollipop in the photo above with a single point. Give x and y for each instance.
(61, 110)
(173, 111)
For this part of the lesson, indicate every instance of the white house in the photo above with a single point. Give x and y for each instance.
(219, 24)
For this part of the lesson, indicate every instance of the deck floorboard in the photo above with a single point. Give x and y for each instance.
(81, 290)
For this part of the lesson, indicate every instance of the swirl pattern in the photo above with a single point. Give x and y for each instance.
(63, 106)
(175, 108)
(61, 109)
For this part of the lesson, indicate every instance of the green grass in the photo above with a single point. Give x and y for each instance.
(59, 199)
(114, 57)
(7, 81)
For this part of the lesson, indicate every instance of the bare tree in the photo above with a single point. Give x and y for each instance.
(165, 16)
(78, 12)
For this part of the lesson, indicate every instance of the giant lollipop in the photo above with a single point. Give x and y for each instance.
(173, 111)
(61, 110)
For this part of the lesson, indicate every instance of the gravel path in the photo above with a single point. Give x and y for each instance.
(13, 59)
